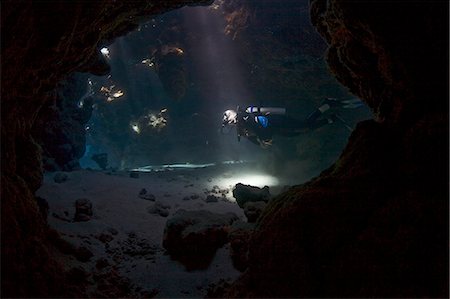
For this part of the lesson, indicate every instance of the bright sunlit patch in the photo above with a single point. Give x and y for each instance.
(118, 94)
(105, 52)
(135, 128)
(148, 62)
(156, 120)
(110, 93)
(164, 167)
(254, 179)
(115, 95)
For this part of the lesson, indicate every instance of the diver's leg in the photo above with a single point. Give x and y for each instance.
(288, 126)
(317, 113)
(318, 123)
(325, 106)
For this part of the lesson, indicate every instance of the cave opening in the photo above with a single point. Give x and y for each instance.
(146, 132)
(142, 190)
(172, 78)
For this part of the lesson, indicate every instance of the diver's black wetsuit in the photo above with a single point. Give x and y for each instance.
(260, 127)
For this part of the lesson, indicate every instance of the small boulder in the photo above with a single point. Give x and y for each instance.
(253, 209)
(147, 196)
(211, 198)
(60, 177)
(159, 208)
(192, 237)
(83, 210)
(245, 193)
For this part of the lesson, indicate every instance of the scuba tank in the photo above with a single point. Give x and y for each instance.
(266, 110)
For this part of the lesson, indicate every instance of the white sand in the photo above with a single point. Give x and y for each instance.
(116, 205)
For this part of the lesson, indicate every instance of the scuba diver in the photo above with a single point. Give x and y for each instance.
(259, 124)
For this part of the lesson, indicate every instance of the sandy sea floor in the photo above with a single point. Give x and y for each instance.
(135, 249)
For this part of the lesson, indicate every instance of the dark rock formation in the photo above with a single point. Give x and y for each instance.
(172, 72)
(43, 207)
(246, 193)
(60, 125)
(192, 237)
(147, 196)
(83, 210)
(252, 210)
(211, 198)
(239, 237)
(159, 208)
(43, 42)
(375, 224)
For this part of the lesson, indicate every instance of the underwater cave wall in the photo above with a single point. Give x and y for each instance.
(375, 224)
(42, 43)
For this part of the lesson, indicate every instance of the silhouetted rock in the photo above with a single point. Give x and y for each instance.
(159, 208)
(83, 210)
(192, 237)
(245, 193)
(60, 125)
(147, 196)
(44, 52)
(362, 228)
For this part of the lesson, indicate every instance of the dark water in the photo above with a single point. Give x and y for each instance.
(196, 62)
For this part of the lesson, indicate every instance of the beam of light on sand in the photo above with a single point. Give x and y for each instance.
(165, 167)
(254, 179)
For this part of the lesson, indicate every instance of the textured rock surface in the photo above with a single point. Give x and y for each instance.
(192, 237)
(252, 210)
(247, 193)
(239, 237)
(83, 209)
(375, 224)
(60, 125)
(38, 52)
